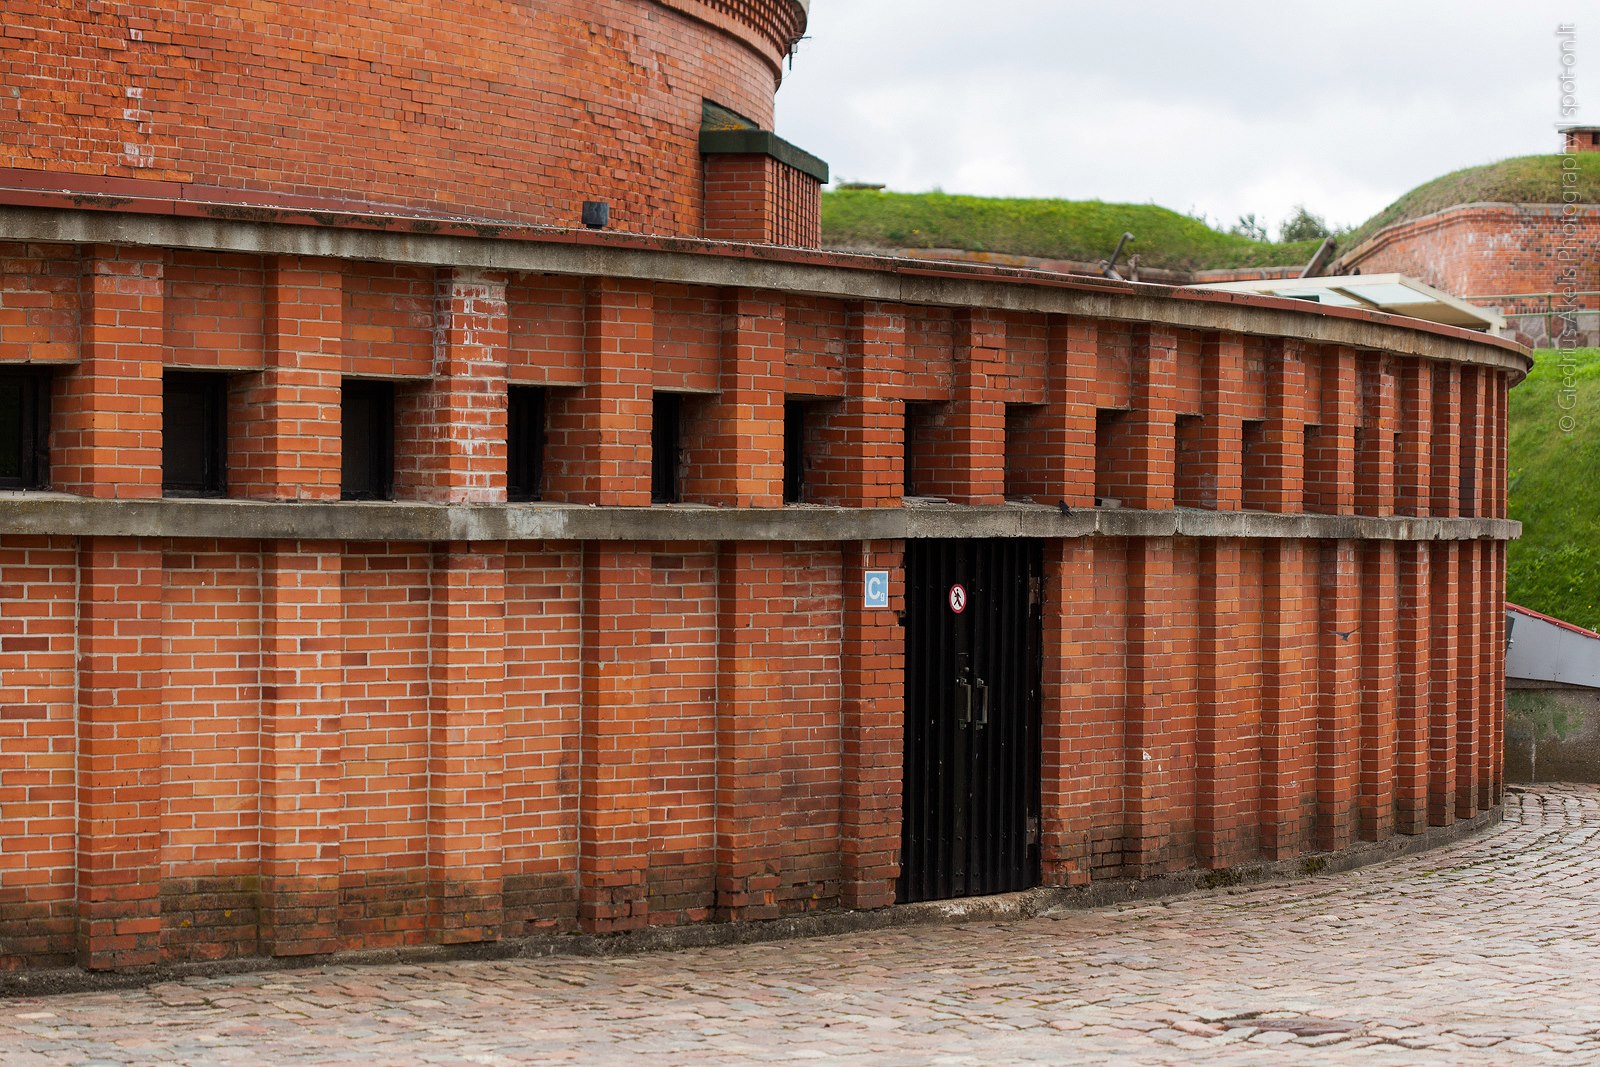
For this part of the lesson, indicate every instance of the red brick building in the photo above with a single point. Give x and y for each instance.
(385, 561)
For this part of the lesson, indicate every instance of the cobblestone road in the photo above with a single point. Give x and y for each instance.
(1485, 952)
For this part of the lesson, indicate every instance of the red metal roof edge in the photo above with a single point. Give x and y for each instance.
(1552, 620)
(51, 190)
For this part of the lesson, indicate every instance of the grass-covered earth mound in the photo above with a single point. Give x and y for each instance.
(1087, 230)
(1555, 487)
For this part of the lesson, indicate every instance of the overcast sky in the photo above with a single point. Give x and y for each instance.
(1217, 108)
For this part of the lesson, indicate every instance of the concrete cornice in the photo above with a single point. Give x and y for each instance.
(504, 248)
(50, 514)
(762, 143)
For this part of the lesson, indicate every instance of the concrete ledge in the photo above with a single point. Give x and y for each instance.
(46, 514)
(762, 143)
(1029, 904)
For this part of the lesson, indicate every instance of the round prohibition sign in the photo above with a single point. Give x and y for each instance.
(958, 598)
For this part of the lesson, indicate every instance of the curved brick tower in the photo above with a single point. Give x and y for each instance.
(508, 111)
(387, 560)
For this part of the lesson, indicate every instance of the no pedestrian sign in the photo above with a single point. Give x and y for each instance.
(958, 598)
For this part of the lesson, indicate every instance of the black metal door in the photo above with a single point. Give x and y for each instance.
(971, 783)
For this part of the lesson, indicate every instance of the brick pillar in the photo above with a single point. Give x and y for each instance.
(1082, 754)
(1338, 708)
(1150, 423)
(1148, 845)
(1491, 665)
(743, 465)
(975, 421)
(1375, 438)
(1288, 687)
(873, 711)
(1222, 426)
(120, 697)
(1502, 436)
(1379, 631)
(1226, 751)
(1470, 470)
(862, 460)
(1414, 459)
(1330, 465)
(1488, 433)
(614, 804)
(1413, 700)
(598, 446)
(1498, 674)
(1066, 442)
(302, 770)
(750, 754)
(1445, 442)
(1445, 600)
(1282, 462)
(284, 440)
(450, 437)
(107, 409)
(466, 740)
(1469, 676)
(758, 198)
(738, 202)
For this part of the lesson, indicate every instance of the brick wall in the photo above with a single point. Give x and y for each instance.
(506, 111)
(1584, 140)
(761, 199)
(264, 745)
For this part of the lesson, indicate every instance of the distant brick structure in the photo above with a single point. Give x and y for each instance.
(372, 581)
(1533, 263)
(1580, 139)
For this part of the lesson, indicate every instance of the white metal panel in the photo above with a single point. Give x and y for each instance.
(1543, 651)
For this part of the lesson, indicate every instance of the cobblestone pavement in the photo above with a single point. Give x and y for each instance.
(1485, 952)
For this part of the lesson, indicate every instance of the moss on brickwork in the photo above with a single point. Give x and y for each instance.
(1555, 487)
(1085, 230)
(1523, 180)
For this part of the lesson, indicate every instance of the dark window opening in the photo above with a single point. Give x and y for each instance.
(666, 447)
(194, 435)
(366, 412)
(24, 428)
(1112, 457)
(1316, 476)
(525, 436)
(922, 423)
(796, 425)
(1191, 488)
(1254, 434)
(1024, 452)
(1253, 471)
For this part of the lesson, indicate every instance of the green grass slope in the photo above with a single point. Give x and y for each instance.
(1523, 180)
(1555, 488)
(1085, 230)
